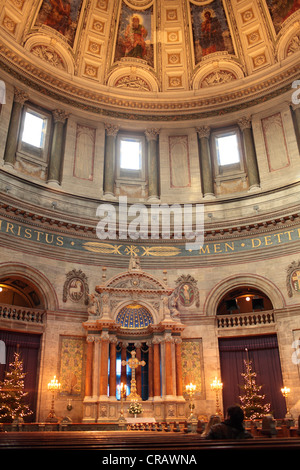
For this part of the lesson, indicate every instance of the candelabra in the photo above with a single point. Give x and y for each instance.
(285, 392)
(190, 390)
(216, 386)
(53, 386)
(122, 389)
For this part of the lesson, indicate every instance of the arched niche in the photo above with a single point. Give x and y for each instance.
(32, 286)
(254, 283)
(244, 299)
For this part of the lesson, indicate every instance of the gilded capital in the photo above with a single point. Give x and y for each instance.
(151, 134)
(203, 132)
(245, 123)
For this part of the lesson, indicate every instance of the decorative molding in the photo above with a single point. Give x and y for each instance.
(293, 278)
(76, 287)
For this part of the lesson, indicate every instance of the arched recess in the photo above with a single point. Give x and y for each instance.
(247, 280)
(217, 72)
(288, 43)
(144, 313)
(50, 52)
(33, 278)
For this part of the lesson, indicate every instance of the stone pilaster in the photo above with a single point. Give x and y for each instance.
(111, 132)
(57, 148)
(20, 97)
(250, 154)
(205, 162)
(153, 163)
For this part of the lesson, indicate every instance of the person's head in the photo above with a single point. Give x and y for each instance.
(135, 22)
(235, 414)
(214, 419)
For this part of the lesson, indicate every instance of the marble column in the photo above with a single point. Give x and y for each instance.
(111, 132)
(14, 127)
(156, 368)
(178, 361)
(103, 376)
(206, 163)
(153, 164)
(250, 154)
(113, 366)
(169, 366)
(89, 367)
(57, 148)
(96, 366)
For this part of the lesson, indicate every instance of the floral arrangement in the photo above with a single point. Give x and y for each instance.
(135, 408)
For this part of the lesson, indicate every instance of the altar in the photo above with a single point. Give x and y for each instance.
(140, 420)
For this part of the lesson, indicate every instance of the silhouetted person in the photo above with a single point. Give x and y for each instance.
(232, 427)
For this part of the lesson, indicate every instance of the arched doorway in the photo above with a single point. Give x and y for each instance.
(23, 315)
(246, 314)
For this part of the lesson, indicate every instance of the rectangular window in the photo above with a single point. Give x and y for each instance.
(130, 154)
(227, 147)
(34, 140)
(34, 129)
(130, 158)
(228, 160)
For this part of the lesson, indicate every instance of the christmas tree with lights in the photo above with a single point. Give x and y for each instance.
(252, 402)
(12, 406)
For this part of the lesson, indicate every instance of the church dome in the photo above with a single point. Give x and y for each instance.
(134, 316)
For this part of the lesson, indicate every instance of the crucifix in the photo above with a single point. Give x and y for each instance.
(133, 363)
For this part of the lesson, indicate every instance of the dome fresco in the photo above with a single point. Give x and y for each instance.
(157, 60)
(134, 317)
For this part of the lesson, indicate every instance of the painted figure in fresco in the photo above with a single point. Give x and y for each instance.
(134, 40)
(186, 294)
(281, 10)
(59, 17)
(211, 38)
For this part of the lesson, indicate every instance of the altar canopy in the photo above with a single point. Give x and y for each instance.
(130, 320)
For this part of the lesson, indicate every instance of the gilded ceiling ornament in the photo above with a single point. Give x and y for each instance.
(49, 55)
(217, 78)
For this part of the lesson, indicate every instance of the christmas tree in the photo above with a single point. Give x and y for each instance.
(252, 403)
(12, 407)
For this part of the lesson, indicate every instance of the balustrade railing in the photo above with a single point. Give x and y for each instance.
(246, 319)
(25, 314)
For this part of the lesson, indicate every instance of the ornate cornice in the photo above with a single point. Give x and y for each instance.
(111, 104)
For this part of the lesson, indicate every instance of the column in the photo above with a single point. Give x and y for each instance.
(113, 366)
(296, 119)
(250, 154)
(156, 368)
(206, 165)
(103, 378)
(178, 362)
(96, 368)
(110, 159)
(150, 370)
(89, 367)
(14, 127)
(57, 148)
(153, 171)
(168, 365)
(138, 371)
